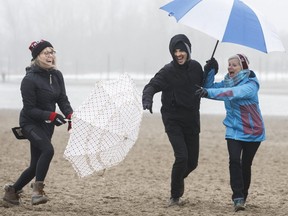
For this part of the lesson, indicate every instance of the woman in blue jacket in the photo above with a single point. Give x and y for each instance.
(244, 123)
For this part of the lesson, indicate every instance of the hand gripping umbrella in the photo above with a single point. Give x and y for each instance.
(230, 21)
(105, 126)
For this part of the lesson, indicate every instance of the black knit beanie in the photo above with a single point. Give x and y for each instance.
(182, 46)
(36, 47)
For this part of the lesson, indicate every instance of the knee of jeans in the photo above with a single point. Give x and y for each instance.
(246, 163)
(181, 159)
(194, 166)
(234, 161)
(190, 168)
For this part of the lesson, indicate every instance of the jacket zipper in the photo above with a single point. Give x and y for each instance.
(50, 79)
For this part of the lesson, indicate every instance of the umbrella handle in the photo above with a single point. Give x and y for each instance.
(211, 58)
(215, 49)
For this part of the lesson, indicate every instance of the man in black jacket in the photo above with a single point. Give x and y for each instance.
(180, 110)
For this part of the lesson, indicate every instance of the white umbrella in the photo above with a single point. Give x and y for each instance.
(227, 21)
(105, 126)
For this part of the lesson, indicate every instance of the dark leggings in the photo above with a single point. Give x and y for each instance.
(241, 155)
(42, 152)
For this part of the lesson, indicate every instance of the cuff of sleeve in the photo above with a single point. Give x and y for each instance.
(69, 116)
(52, 116)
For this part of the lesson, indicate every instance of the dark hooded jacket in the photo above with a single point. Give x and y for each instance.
(41, 90)
(177, 82)
(178, 85)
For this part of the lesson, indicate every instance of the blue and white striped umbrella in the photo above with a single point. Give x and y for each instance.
(230, 21)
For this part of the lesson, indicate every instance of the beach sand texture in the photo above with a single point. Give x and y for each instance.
(140, 184)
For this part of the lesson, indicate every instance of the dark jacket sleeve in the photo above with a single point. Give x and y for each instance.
(148, 94)
(156, 84)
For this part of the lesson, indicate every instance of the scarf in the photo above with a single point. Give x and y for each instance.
(233, 81)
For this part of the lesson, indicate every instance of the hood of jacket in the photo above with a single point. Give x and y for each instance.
(179, 38)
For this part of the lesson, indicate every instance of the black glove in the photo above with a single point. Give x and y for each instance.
(57, 119)
(201, 92)
(147, 105)
(147, 97)
(211, 64)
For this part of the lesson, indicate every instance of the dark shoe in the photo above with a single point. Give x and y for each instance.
(174, 202)
(11, 196)
(239, 204)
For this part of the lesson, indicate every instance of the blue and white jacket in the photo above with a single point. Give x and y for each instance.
(243, 119)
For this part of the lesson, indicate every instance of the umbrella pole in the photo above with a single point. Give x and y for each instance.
(215, 49)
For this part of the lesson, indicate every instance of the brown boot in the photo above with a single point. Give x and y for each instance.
(38, 196)
(11, 196)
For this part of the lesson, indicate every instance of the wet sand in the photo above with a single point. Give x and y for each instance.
(140, 184)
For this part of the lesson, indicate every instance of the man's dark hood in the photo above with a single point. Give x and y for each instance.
(182, 39)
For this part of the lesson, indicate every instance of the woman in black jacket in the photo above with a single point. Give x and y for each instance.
(41, 89)
(180, 109)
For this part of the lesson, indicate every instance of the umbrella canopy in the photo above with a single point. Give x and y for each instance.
(105, 126)
(227, 21)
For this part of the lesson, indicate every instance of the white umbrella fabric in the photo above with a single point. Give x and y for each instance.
(105, 126)
(232, 21)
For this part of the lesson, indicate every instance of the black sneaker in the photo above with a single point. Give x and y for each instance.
(175, 202)
(239, 204)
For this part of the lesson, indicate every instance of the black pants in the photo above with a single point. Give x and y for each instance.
(186, 153)
(42, 152)
(182, 127)
(241, 155)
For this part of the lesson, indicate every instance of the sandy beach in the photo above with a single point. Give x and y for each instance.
(140, 184)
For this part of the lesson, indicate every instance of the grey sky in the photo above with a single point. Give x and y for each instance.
(117, 35)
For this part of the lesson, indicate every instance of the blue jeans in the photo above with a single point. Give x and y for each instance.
(241, 155)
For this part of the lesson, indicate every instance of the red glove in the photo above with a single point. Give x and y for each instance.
(69, 121)
(57, 119)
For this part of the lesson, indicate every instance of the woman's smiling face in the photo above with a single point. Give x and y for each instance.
(233, 67)
(47, 57)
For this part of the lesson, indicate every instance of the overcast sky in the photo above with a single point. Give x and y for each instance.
(117, 35)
